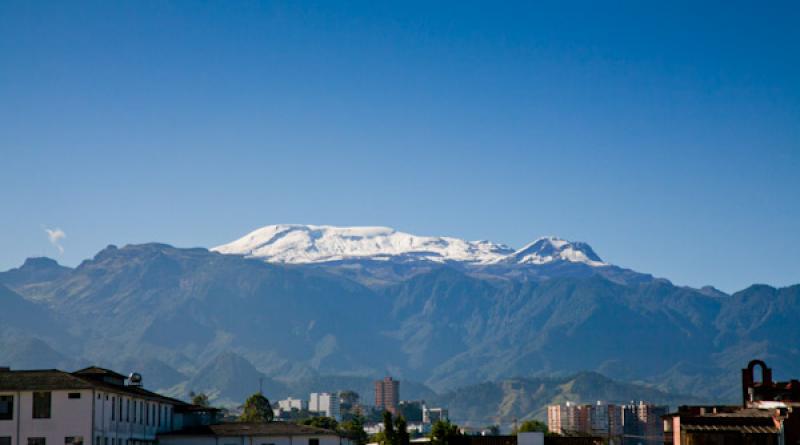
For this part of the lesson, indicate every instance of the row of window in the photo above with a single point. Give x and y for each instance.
(104, 441)
(72, 440)
(42, 405)
(138, 411)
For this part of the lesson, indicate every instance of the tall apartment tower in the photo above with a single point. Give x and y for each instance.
(387, 394)
(325, 403)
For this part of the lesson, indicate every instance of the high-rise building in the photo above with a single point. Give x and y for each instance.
(387, 394)
(325, 403)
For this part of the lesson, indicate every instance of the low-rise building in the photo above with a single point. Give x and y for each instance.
(273, 433)
(92, 406)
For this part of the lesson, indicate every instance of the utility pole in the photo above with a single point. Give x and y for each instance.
(261, 385)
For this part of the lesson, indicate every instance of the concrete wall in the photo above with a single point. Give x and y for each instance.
(69, 418)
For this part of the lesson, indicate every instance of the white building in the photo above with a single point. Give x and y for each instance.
(326, 404)
(273, 433)
(432, 415)
(290, 404)
(93, 406)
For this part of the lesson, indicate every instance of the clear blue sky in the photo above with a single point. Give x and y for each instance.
(665, 134)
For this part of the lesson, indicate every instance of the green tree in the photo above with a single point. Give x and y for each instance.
(531, 426)
(388, 429)
(401, 432)
(353, 429)
(256, 409)
(199, 399)
(328, 423)
(444, 433)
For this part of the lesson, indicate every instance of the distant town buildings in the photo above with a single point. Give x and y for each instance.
(325, 404)
(387, 394)
(632, 424)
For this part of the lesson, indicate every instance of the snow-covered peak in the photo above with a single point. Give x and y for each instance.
(294, 243)
(297, 243)
(548, 249)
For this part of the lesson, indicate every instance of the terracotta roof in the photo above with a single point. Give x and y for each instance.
(96, 370)
(254, 429)
(41, 380)
(54, 380)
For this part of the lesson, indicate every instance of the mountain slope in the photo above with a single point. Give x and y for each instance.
(179, 303)
(172, 311)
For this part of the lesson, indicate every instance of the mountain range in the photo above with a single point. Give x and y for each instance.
(305, 308)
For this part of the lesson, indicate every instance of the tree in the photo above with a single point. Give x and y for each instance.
(328, 423)
(199, 399)
(494, 430)
(401, 431)
(531, 426)
(444, 433)
(388, 429)
(353, 429)
(256, 409)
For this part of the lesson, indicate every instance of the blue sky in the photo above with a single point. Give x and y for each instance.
(667, 135)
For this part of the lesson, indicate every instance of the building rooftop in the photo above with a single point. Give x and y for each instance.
(254, 429)
(54, 380)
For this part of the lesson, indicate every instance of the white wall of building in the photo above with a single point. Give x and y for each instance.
(68, 418)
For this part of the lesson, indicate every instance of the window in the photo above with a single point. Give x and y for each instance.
(41, 408)
(313, 441)
(36, 441)
(74, 395)
(5, 441)
(6, 408)
(113, 409)
(76, 440)
(128, 410)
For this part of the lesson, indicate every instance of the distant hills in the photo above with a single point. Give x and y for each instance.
(315, 308)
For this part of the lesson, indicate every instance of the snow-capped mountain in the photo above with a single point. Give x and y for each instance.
(549, 249)
(301, 244)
